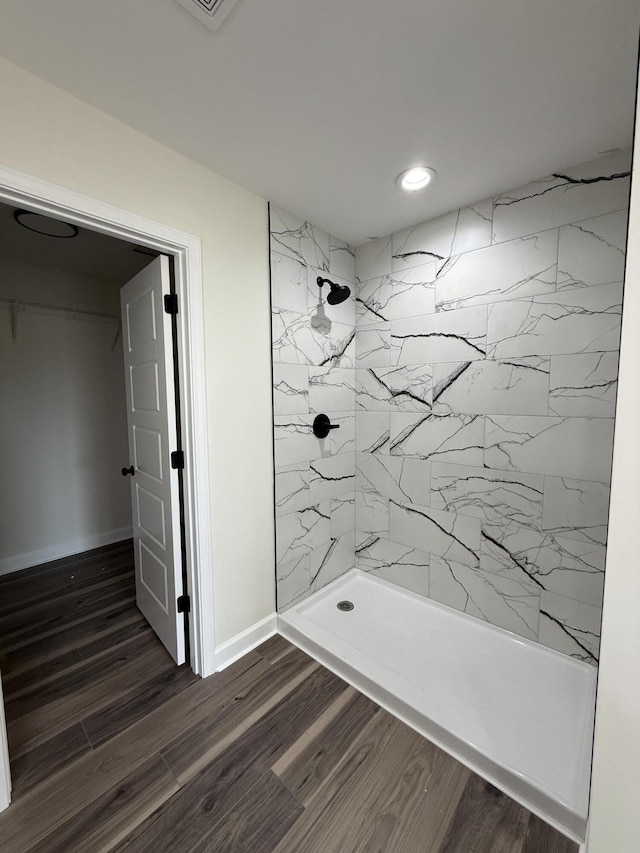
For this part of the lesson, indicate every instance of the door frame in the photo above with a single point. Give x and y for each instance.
(27, 191)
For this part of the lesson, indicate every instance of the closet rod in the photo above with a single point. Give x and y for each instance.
(50, 306)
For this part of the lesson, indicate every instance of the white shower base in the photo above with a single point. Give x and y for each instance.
(517, 713)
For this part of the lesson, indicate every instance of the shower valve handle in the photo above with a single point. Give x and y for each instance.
(322, 425)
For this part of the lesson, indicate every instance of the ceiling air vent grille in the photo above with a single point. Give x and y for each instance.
(211, 13)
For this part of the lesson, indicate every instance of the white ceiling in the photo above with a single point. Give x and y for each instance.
(319, 105)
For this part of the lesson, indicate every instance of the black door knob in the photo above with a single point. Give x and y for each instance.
(130, 470)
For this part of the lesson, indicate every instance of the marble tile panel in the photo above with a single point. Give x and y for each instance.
(445, 534)
(570, 195)
(318, 306)
(372, 513)
(342, 259)
(576, 509)
(568, 322)
(444, 438)
(297, 341)
(499, 599)
(331, 388)
(292, 488)
(592, 252)
(343, 515)
(433, 338)
(563, 566)
(579, 448)
(300, 532)
(498, 497)
(294, 440)
(332, 476)
(373, 346)
(404, 480)
(584, 385)
(288, 283)
(330, 561)
(294, 237)
(373, 259)
(372, 432)
(522, 267)
(362, 537)
(290, 389)
(342, 440)
(392, 389)
(292, 581)
(407, 293)
(454, 233)
(407, 567)
(365, 315)
(513, 387)
(571, 627)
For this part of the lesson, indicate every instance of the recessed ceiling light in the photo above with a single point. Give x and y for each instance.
(46, 225)
(415, 179)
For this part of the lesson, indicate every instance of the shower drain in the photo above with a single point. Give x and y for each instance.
(345, 605)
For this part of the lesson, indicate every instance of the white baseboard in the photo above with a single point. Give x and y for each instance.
(237, 646)
(64, 549)
(5, 773)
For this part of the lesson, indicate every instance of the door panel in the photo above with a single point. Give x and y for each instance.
(150, 515)
(145, 388)
(149, 377)
(147, 452)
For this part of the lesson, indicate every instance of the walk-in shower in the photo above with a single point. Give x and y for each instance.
(462, 505)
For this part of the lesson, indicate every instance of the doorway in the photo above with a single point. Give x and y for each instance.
(22, 191)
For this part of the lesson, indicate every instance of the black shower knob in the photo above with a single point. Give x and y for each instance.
(322, 425)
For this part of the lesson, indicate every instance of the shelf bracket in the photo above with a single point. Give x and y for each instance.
(118, 333)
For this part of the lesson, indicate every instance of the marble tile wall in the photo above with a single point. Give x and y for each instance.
(486, 356)
(314, 352)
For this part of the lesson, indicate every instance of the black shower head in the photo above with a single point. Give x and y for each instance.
(338, 292)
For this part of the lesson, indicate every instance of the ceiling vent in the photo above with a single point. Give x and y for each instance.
(211, 13)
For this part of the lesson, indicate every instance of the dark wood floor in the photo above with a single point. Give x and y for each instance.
(115, 748)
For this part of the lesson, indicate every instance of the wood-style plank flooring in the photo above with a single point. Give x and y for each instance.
(113, 748)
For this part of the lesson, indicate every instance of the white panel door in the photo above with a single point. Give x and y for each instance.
(151, 417)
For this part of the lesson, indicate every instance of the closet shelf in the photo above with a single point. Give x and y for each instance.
(16, 303)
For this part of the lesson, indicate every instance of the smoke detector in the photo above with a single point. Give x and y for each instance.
(211, 13)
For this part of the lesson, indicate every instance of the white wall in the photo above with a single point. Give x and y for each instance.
(63, 433)
(51, 135)
(615, 820)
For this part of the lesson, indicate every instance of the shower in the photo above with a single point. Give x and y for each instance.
(338, 293)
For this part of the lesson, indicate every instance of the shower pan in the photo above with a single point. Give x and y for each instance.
(517, 713)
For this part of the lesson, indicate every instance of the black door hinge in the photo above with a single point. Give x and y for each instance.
(177, 459)
(171, 303)
(184, 604)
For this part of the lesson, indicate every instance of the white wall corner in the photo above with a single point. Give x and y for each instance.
(246, 641)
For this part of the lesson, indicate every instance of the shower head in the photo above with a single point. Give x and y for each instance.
(338, 292)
